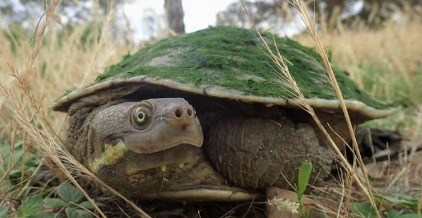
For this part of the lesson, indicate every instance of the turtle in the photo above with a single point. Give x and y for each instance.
(206, 116)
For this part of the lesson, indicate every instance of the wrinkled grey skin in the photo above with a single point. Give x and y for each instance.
(258, 153)
(173, 117)
(234, 154)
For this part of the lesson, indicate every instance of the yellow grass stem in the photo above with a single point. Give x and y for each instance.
(98, 45)
(285, 74)
(310, 25)
(29, 113)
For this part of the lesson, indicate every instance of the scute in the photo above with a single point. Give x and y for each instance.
(230, 62)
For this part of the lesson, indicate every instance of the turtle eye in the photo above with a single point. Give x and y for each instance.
(140, 116)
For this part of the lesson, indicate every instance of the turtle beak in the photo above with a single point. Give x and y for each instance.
(174, 123)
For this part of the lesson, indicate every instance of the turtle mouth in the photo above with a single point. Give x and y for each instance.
(172, 158)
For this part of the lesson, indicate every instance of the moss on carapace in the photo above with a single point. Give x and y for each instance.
(235, 59)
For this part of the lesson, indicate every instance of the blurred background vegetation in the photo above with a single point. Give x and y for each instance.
(42, 55)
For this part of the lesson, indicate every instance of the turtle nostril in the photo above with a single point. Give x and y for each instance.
(189, 112)
(178, 113)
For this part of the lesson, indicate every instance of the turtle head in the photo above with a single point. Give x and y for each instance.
(145, 135)
(148, 126)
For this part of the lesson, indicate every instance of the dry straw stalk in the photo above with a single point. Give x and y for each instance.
(29, 114)
(285, 74)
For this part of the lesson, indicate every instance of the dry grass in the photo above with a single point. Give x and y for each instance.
(37, 69)
(284, 74)
(366, 185)
(386, 62)
(49, 63)
(354, 56)
(395, 47)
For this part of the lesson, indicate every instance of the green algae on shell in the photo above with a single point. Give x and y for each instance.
(230, 62)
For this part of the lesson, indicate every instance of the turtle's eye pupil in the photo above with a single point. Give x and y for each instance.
(140, 116)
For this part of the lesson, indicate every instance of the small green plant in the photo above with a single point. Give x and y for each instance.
(407, 204)
(18, 164)
(302, 183)
(30, 208)
(70, 199)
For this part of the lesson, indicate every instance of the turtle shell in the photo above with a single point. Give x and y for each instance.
(229, 62)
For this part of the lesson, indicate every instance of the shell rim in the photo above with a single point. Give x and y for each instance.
(63, 103)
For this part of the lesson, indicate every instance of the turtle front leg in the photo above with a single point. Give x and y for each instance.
(257, 153)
